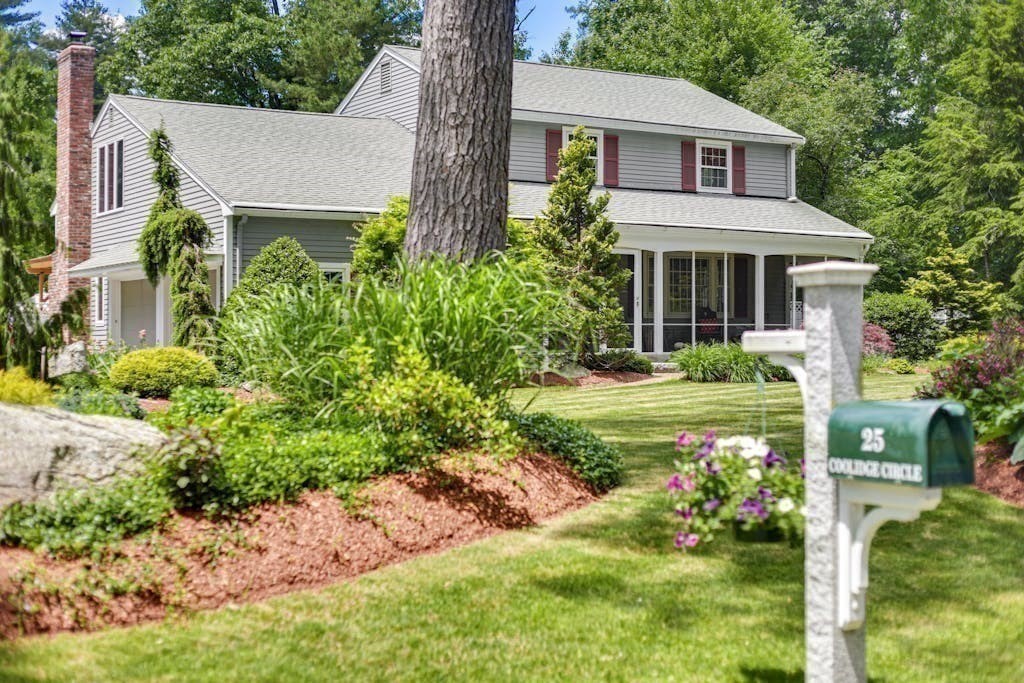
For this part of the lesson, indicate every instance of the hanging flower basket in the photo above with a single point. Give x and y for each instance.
(738, 483)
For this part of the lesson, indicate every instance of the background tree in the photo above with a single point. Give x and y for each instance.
(459, 197)
(576, 238)
(11, 16)
(950, 285)
(330, 42)
(102, 32)
(173, 243)
(200, 50)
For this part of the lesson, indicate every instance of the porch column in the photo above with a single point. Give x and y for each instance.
(725, 297)
(659, 301)
(759, 292)
(163, 310)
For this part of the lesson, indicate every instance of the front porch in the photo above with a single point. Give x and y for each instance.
(683, 298)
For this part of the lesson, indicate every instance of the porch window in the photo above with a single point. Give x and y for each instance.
(714, 161)
(336, 272)
(680, 278)
(598, 156)
(110, 177)
(702, 285)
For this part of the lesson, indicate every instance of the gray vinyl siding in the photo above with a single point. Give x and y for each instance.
(124, 224)
(401, 104)
(528, 151)
(324, 240)
(766, 169)
(649, 161)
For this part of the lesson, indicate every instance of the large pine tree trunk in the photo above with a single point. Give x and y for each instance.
(459, 199)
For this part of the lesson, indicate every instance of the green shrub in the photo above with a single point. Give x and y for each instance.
(900, 366)
(619, 361)
(381, 239)
(870, 364)
(907, 319)
(159, 371)
(99, 401)
(189, 468)
(420, 413)
(597, 463)
(17, 387)
(483, 324)
(189, 403)
(725, 363)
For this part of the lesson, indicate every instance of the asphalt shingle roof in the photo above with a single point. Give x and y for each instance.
(320, 161)
(557, 89)
(256, 156)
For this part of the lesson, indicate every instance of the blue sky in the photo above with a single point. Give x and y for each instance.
(548, 20)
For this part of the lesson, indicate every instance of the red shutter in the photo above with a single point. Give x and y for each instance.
(689, 166)
(739, 169)
(611, 160)
(554, 142)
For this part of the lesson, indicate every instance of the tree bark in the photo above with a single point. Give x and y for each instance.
(459, 200)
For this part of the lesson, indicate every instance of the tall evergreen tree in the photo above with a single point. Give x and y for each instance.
(576, 238)
(11, 16)
(172, 243)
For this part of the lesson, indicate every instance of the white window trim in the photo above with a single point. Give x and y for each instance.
(334, 267)
(99, 293)
(728, 166)
(599, 134)
(102, 150)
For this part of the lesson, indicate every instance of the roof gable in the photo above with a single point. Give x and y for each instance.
(653, 100)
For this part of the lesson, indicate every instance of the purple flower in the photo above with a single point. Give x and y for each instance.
(679, 483)
(685, 513)
(803, 469)
(765, 494)
(772, 458)
(709, 437)
(711, 504)
(686, 540)
(751, 507)
(684, 440)
(705, 450)
(713, 468)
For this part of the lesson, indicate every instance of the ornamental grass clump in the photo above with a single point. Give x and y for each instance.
(725, 363)
(738, 482)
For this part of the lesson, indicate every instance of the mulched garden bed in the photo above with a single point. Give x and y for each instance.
(598, 377)
(196, 564)
(994, 474)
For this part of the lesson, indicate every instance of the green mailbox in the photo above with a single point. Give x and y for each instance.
(912, 443)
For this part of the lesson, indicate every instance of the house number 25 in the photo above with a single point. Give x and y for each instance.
(872, 440)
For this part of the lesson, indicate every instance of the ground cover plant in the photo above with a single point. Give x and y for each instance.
(602, 594)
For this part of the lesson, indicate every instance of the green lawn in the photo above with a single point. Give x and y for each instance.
(601, 594)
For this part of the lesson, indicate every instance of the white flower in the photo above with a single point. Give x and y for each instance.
(786, 505)
(754, 473)
(803, 510)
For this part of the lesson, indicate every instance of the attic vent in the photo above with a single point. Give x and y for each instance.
(385, 76)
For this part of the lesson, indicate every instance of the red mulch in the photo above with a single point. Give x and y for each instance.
(994, 474)
(196, 564)
(598, 377)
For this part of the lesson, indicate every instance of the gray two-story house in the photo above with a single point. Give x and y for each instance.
(702, 192)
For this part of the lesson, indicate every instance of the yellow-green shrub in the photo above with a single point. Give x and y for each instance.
(158, 371)
(17, 387)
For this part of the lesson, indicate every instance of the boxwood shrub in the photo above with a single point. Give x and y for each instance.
(596, 462)
(156, 372)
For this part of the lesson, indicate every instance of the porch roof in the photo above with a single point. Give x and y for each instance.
(698, 210)
(120, 258)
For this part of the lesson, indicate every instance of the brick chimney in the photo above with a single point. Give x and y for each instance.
(73, 224)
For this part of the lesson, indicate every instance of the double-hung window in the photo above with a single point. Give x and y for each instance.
(713, 166)
(110, 174)
(598, 156)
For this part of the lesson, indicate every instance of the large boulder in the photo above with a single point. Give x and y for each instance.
(43, 449)
(72, 358)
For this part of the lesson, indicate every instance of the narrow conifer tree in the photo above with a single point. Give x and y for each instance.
(576, 238)
(172, 243)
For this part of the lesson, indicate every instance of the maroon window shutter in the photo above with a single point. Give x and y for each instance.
(611, 160)
(739, 169)
(689, 166)
(554, 142)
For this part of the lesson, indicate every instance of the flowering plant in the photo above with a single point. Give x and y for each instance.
(738, 480)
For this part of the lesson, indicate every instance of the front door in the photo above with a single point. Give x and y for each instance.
(629, 296)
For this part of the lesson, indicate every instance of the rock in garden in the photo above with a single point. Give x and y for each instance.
(72, 358)
(43, 449)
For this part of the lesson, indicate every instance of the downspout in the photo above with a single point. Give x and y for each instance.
(238, 247)
(227, 278)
